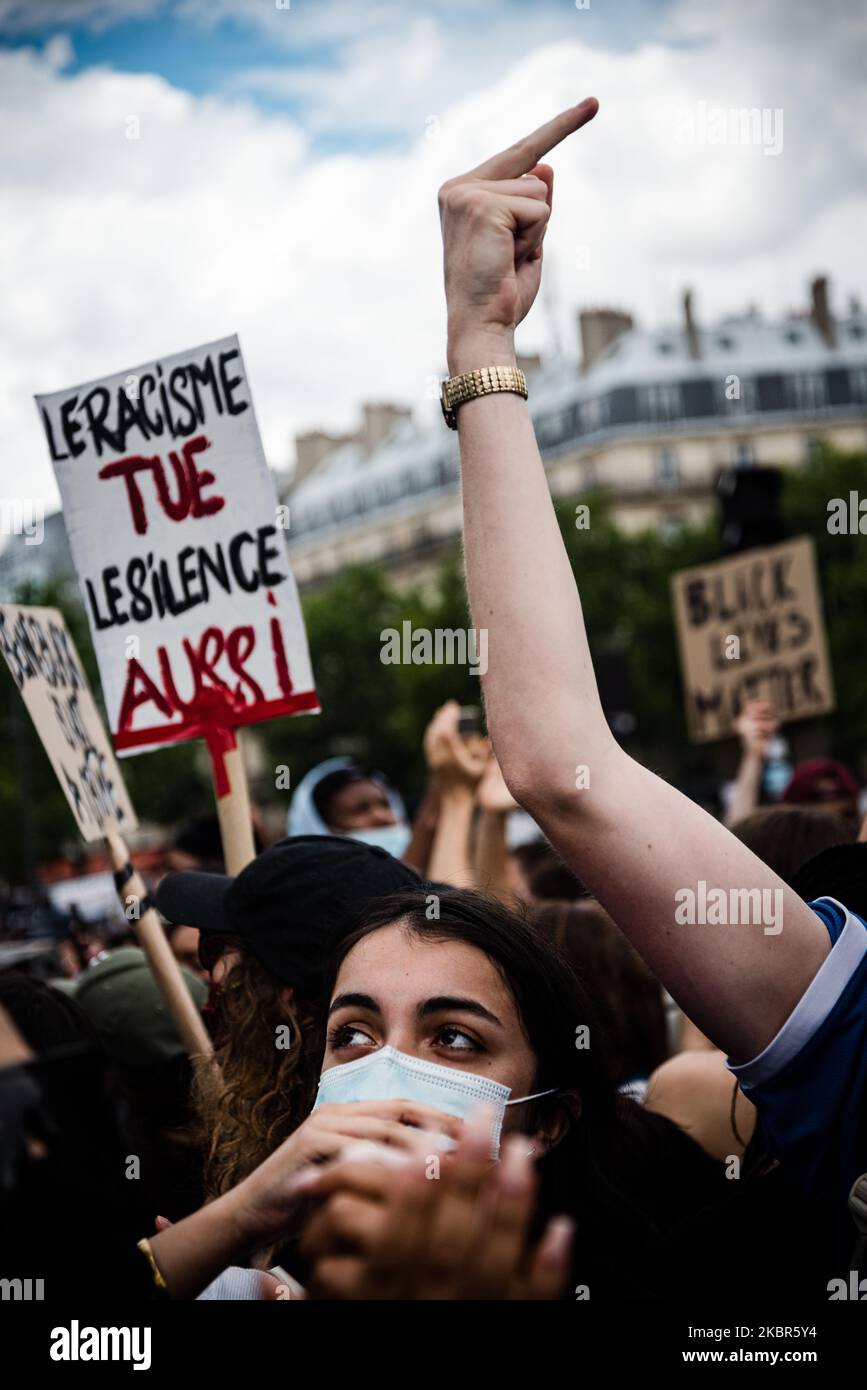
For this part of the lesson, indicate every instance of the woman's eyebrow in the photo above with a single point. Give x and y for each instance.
(444, 1003)
(355, 1001)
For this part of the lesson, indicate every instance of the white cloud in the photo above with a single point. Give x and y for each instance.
(390, 70)
(379, 84)
(219, 218)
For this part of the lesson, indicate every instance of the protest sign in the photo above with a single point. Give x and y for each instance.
(751, 628)
(50, 678)
(176, 535)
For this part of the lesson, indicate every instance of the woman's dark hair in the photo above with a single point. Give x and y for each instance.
(837, 872)
(786, 837)
(325, 791)
(624, 1173)
(627, 995)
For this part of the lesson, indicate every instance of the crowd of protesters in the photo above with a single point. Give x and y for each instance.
(474, 1053)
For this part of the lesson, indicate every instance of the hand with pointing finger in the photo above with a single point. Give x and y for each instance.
(493, 222)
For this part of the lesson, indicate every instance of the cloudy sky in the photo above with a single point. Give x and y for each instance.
(283, 181)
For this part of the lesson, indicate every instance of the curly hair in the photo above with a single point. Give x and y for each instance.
(268, 1076)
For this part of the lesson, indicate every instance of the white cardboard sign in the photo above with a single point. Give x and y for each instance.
(179, 545)
(50, 678)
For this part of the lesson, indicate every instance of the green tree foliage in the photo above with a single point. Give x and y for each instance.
(842, 565)
(373, 710)
(378, 711)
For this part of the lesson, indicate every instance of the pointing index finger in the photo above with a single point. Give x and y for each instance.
(520, 158)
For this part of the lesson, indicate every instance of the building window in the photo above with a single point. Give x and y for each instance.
(667, 470)
(858, 383)
(744, 456)
(554, 429)
(395, 487)
(662, 401)
(594, 414)
(745, 402)
(807, 391)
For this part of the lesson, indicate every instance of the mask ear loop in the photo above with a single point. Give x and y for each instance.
(537, 1095)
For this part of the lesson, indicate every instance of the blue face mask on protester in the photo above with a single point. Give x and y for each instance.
(393, 838)
(391, 1075)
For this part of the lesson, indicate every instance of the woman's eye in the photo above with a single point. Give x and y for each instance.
(457, 1040)
(347, 1035)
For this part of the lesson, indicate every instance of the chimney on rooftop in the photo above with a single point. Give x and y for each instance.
(312, 448)
(599, 329)
(692, 343)
(379, 422)
(820, 313)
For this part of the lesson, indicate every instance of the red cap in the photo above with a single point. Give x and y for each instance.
(804, 788)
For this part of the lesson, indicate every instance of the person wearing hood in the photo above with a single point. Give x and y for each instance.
(340, 797)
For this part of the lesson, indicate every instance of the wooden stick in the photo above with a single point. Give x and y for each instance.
(160, 958)
(233, 808)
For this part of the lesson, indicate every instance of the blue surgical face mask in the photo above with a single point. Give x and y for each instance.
(393, 838)
(391, 1075)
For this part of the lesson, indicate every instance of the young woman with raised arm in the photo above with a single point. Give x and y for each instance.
(785, 995)
(633, 839)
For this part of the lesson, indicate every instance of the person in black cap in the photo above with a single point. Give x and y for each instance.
(838, 871)
(266, 937)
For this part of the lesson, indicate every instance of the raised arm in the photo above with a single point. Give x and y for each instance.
(637, 843)
(755, 725)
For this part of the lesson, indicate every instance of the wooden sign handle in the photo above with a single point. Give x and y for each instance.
(232, 796)
(160, 958)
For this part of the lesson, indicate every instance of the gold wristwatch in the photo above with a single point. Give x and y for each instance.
(482, 382)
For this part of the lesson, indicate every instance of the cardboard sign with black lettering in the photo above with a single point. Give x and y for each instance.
(751, 628)
(50, 678)
(179, 545)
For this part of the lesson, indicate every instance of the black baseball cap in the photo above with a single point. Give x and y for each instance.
(838, 872)
(292, 904)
